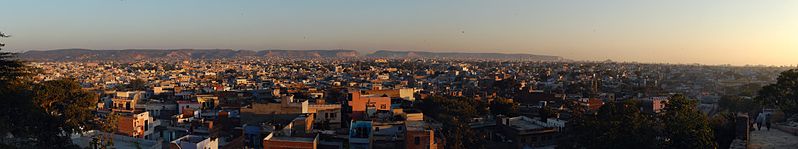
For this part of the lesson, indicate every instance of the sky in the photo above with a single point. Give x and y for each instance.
(736, 32)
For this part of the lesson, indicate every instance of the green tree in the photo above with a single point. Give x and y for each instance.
(12, 70)
(134, 85)
(685, 126)
(504, 106)
(615, 125)
(106, 140)
(40, 115)
(454, 113)
(725, 128)
(66, 102)
(733, 104)
(783, 94)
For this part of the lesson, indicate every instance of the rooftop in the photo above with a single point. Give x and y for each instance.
(191, 138)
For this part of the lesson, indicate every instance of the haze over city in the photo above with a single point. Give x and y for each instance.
(708, 32)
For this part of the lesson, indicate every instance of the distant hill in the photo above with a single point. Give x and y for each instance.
(176, 54)
(401, 54)
(182, 54)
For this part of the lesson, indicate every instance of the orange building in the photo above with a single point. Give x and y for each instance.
(360, 103)
(135, 125)
(405, 93)
(419, 136)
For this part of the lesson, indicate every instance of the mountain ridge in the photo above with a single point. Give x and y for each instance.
(79, 54)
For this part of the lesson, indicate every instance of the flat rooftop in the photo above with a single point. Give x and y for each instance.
(191, 138)
(523, 123)
(292, 139)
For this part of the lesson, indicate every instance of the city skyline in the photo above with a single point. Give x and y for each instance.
(732, 32)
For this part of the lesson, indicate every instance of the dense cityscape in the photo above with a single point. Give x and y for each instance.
(372, 102)
(409, 74)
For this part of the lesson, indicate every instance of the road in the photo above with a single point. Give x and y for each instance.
(773, 139)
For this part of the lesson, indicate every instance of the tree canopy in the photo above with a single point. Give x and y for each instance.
(783, 94)
(504, 106)
(623, 125)
(40, 114)
(455, 113)
(614, 125)
(685, 126)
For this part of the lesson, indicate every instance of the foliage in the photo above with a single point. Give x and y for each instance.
(623, 125)
(108, 124)
(724, 126)
(734, 104)
(10, 69)
(614, 125)
(134, 85)
(454, 113)
(65, 101)
(40, 115)
(685, 126)
(783, 94)
(504, 106)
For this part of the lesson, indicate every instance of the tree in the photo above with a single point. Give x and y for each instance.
(733, 104)
(504, 106)
(40, 115)
(135, 85)
(685, 126)
(11, 69)
(615, 125)
(783, 94)
(454, 113)
(105, 140)
(623, 125)
(66, 102)
(725, 128)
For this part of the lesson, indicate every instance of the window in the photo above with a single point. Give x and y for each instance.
(417, 140)
(382, 106)
(146, 125)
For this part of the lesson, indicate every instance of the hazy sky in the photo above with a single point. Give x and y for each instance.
(708, 31)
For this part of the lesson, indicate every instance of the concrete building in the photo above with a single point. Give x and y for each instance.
(360, 135)
(273, 141)
(194, 142)
(525, 132)
(419, 136)
(139, 125)
(120, 141)
(363, 104)
(404, 93)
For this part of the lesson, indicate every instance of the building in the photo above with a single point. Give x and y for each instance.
(295, 135)
(404, 93)
(525, 132)
(120, 141)
(139, 125)
(273, 141)
(591, 104)
(126, 101)
(208, 101)
(653, 104)
(194, 142)
(360, 135)
(419, 136)
(368, 104)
